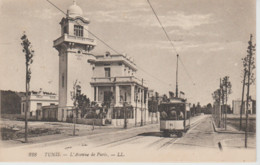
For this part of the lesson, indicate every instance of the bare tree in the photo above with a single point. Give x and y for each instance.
(29, 53)
(226, 91)
(74, 97)
(250, 78)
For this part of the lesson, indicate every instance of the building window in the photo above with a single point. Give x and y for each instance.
(65, 30)
(78, 30)
(23, 107)
(62, 116)
(107, 72)
(39, 106)
(62, 81)
(95, 93)
(52, 103)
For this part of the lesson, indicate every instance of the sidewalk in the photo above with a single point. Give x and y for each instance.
(98, 130)
(230, 129)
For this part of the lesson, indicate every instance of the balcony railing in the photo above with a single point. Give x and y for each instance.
(70, 38)
(116, 79)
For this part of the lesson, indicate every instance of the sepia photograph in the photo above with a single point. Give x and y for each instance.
(166, 81)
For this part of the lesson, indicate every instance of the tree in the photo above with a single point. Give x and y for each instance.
(29, 53)
(193, 110)
(83, 104)
(74, 95)
(198, 108)
(216, 96)
(226, 86)
(250, 61)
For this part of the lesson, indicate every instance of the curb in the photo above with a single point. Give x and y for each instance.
(228, 132)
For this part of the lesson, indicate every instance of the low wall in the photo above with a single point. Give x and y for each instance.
(88, 121)
(117, 122)
(11, 116)
(29, 118)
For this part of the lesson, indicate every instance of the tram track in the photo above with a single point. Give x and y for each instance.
(121, 141)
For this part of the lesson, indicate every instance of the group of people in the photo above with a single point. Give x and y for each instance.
(172, 115)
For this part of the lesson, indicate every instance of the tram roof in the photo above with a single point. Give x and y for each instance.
(175, 100)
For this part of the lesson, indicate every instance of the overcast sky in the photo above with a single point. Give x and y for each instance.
(210, 36)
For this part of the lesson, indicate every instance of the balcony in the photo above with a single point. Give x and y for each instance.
(75, 39)
(118, 79)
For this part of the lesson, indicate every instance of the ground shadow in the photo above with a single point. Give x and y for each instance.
(156, 134)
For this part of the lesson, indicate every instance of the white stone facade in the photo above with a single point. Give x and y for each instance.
(36, 101)
(115, 74)
(74, 47)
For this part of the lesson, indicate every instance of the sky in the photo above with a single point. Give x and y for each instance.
(210, 36)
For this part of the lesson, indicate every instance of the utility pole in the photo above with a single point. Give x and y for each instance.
(248, 86)
(142, 104)
(136, 98)
(220, 94)
(226, 91)
(242, 101)
(223, 106)
(26, 106)
(177, 76)
(125, 121)
(145, 99)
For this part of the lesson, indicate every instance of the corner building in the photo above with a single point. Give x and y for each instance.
(106, 79)
(114, 83)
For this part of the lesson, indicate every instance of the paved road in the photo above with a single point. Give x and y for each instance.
(136, 142)
(201, 134)
(147, 136)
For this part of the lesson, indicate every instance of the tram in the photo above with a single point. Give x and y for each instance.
(174, 117)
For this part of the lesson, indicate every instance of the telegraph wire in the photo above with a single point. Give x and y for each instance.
(56, 7)
(187, 71)
(169, 39)
(162, 26)
(86, 29)
(107, 44)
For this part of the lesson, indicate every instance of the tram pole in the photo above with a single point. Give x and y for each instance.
(142, 104)
(125, 115)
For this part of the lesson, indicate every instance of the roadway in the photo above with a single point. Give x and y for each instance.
(147, 139)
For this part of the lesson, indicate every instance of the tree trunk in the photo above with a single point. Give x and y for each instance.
(242, 102)
(248, 89)
(26, 106)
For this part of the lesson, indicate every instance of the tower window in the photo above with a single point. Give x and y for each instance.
(62, 81)
(65, 30)
(78, 30)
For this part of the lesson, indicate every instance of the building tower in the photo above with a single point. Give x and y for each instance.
(74, 47)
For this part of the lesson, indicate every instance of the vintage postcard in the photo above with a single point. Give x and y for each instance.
(128, 81)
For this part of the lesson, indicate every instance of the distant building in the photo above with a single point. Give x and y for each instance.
(236, 106)
(151, 93)
(114, 83)
(36, 101)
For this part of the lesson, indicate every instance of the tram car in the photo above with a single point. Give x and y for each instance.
(174, 117)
